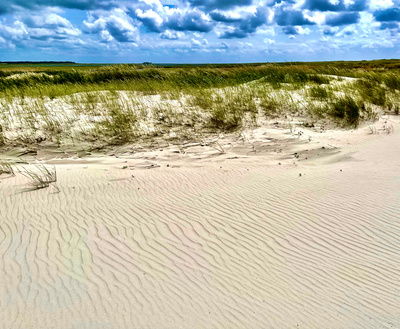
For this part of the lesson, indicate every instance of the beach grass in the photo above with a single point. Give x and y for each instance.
(116, 104)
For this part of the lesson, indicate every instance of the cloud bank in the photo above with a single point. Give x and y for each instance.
(198, 30)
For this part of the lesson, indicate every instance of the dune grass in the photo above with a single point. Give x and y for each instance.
(6, 168)
(118, 104)
(40, 176)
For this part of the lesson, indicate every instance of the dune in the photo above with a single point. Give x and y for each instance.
(271, 231)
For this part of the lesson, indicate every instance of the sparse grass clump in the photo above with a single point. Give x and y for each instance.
(269, 105)
(201, 98)
(41, 176)
(226, 114)
(230, 108)
(6, 168)
(118, 124)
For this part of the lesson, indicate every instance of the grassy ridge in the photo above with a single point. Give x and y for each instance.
(126, 77)
(117, 104)
(64, 79)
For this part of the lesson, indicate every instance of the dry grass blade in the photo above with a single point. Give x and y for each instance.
(42, 176)
(6, 168)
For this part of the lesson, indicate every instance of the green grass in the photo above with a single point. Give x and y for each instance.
(372, 91)
(229, 110)
(347, 110)
(117, 104)
(118, 123)
(318, 92)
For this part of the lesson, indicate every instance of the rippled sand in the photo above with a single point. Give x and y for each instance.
(225, 241)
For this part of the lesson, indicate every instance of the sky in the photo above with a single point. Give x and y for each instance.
(198, 31)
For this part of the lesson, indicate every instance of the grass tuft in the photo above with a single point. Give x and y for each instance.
(229, 109)
(347, 110)
(6, 168)
(118, 124)
(42, 176)
(372, 91)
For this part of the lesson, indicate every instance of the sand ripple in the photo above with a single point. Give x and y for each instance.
(203, 248)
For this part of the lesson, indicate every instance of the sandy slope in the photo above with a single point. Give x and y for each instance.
(209, 240)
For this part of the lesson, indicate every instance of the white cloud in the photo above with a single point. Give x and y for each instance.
(54, 19)
(118, 25)
(196, 43)
(348, 3)
(16, 31)
(348, 30)
(269, 41)
(301, 30)
(378, 44)
(380, 4)
(172, 35)
(95, 26)
(315, 17)
(106, 36)
(267, 31)
(150, 14)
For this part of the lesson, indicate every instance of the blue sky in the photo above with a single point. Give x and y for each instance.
(198, 31)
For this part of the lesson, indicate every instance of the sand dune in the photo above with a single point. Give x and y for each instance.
(232, 240)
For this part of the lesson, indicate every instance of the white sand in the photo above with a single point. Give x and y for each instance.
(213, 240)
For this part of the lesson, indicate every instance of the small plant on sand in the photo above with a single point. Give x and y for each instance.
(6, 168)
(41, 176)
(388, 128)
(319, 79)
(372, 129)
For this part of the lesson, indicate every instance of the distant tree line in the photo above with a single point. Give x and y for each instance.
(38, 62)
